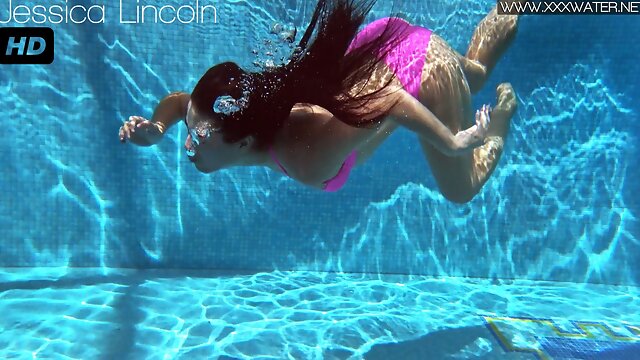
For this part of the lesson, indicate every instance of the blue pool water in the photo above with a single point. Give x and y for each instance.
(113, 251)
(178, 314)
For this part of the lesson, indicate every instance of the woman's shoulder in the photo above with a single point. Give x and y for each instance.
(306, 108)
(308, 112)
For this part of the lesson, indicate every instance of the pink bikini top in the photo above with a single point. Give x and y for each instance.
(336, 182)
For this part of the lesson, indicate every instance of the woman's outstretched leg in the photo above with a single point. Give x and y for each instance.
(491, 38)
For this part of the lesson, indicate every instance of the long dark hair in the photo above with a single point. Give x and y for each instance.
(320, 72)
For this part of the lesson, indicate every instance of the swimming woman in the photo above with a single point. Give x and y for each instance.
(340, 95)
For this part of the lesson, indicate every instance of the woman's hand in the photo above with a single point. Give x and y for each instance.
(474, 136)
(141, 131)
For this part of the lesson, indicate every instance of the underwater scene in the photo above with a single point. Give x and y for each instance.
(334, 186)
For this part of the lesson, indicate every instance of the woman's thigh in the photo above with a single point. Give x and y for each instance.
(446, 93)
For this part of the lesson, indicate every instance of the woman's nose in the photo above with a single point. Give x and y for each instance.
(188, 144)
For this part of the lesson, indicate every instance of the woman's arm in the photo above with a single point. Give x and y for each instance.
(169, 111)
(410, 113)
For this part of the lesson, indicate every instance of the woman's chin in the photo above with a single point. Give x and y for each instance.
(204, 169)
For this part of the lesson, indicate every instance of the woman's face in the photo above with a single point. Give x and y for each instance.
(205, 147)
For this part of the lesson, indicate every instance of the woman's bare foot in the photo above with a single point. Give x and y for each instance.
(503, 111)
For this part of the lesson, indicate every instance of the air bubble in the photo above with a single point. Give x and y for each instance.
(226, 105)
